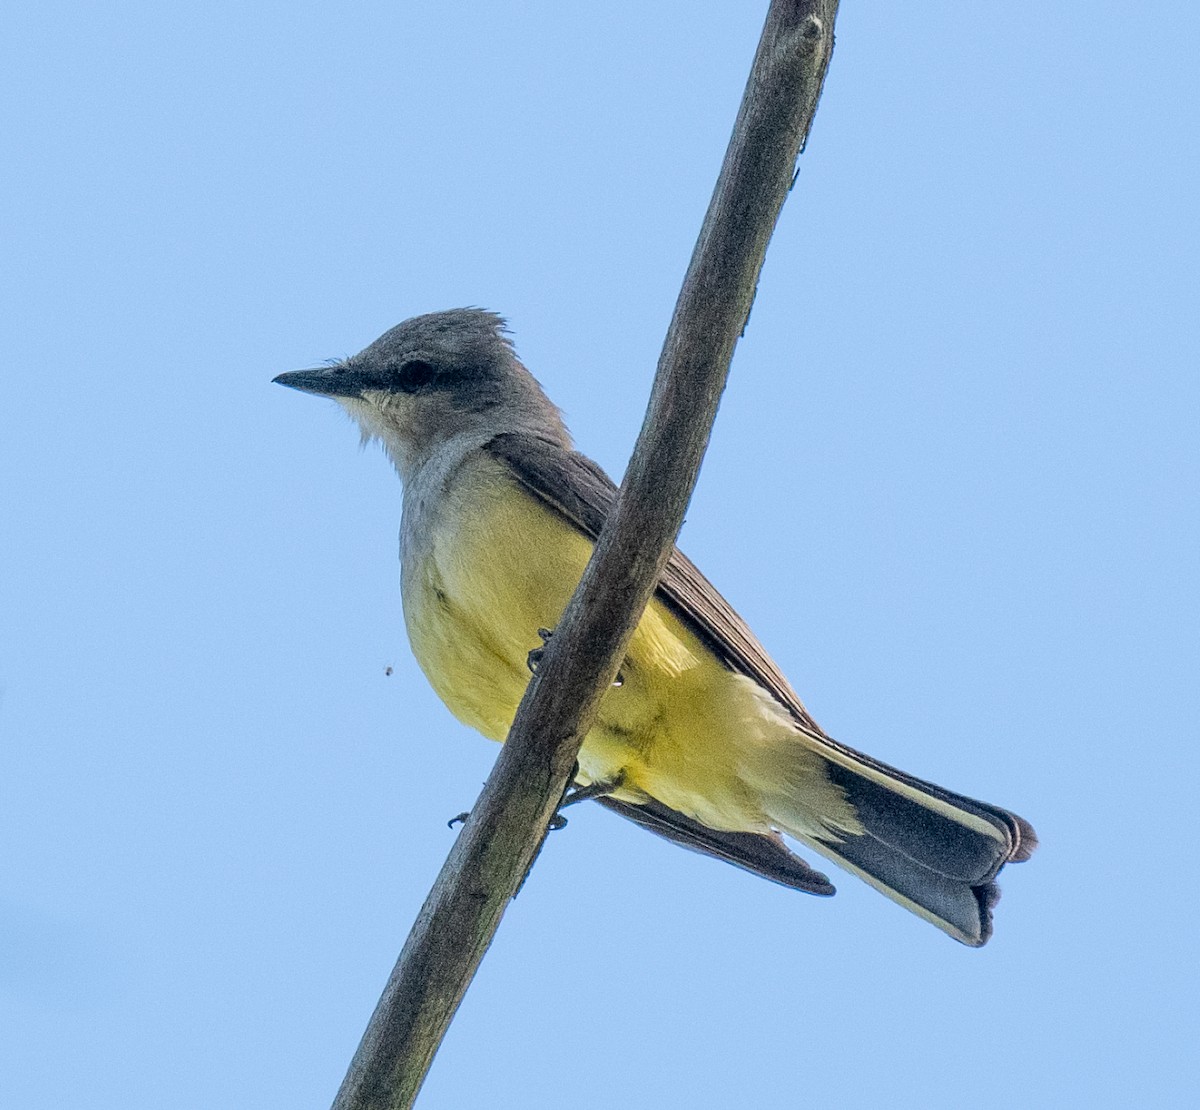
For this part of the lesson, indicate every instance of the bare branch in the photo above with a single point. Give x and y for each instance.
(505, 830)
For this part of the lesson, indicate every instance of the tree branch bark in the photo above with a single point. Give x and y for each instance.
(506, 828)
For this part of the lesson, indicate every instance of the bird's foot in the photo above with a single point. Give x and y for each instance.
(575, 794)
(571, 796)
(535, 656)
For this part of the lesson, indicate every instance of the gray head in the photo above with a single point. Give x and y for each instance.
(444, 376)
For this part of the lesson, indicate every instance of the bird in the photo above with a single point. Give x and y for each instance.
(702, 740)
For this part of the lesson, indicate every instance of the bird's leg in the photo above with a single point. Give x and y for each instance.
(535, 656)
(574, 794)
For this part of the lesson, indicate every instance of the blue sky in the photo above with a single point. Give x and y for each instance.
(952, 486)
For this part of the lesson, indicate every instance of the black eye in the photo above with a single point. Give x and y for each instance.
(414, 375)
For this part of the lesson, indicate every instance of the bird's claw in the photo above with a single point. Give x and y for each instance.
(575, 794)
(535, 656)
(571, 796)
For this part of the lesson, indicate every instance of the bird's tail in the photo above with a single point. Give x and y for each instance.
(935, 852)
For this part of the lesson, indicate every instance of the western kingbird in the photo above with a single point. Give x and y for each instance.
(703, 741)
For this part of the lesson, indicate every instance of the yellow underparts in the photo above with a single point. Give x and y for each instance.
(681, 728)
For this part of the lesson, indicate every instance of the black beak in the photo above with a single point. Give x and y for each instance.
(338, 380)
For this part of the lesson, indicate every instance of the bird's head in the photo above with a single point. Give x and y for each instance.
(432, 379)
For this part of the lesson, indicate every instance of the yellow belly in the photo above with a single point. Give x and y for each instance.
(681, 728)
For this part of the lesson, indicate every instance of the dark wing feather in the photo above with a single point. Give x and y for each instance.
(767, 856)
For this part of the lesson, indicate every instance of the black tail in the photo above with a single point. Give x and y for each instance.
(935, 852)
